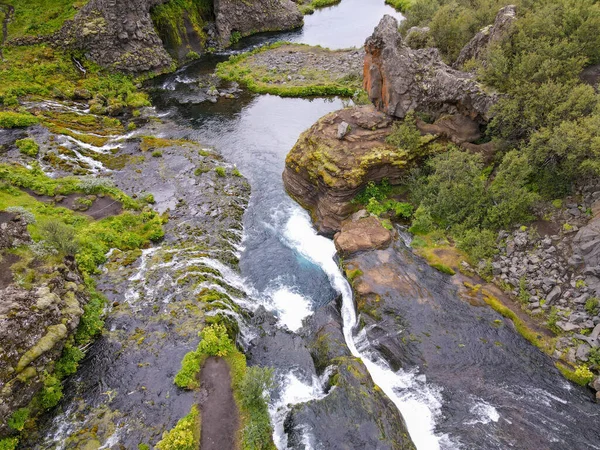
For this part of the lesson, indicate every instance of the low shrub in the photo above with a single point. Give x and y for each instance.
(18, 419)
(185, 435)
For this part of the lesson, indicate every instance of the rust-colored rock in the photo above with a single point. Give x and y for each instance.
(360, 235)
(324, 173)
(399, 79)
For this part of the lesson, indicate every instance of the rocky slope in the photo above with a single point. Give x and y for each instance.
(35, 322)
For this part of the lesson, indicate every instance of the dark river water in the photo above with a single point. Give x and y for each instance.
(290, 270)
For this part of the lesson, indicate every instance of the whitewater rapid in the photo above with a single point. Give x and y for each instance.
(418, 402)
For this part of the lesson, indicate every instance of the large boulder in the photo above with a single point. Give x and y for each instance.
(361, 234)
(399, 79)
(586, 245)
(325, 169)
(35, 324)
(255, 16)
(479, 44)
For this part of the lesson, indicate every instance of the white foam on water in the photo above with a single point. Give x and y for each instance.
(484, 413)
(294, 391)
(418, 402)
(291, 307)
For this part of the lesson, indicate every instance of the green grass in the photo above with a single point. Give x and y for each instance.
(443, 268)
(185, 435)
(44, 72)
(317, 4)
(262, 81)
(535, 338)
(581, 375)
(40, 17)
(11, 119)
(399, 5)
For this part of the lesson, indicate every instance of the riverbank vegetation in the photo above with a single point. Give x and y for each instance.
(309, 71)
(250, 386)
(59, 233)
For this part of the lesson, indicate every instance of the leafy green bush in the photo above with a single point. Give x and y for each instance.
(60, 236)
(255, 388)
(17, 420)
(51, 393)
(185, 435)
(215, 341)
(9, 119)
(9, 443)
(187, 377)
(28, 147)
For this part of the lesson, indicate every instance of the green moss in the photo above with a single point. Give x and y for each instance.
(54, 334)
(443, 268)
(18, 419)
(220, 171)
(28, 147)
(11, 119)
(185, 435)
(39, 17)
(43, 71)
(535, 338)
(171, 19)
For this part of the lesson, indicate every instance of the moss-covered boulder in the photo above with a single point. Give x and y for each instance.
(336, 158)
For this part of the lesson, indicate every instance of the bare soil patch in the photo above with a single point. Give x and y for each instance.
(219, 412)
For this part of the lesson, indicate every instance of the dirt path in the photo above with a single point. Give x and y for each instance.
(220, 416)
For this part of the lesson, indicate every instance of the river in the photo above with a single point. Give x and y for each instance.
(123, 394)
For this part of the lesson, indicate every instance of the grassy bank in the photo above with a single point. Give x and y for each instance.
(249, 385)
(261, 79)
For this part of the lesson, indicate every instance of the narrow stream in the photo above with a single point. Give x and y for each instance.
(125, 389)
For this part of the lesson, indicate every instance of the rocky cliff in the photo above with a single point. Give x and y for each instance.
(399, 79)
(35, 323)
(254, 17)
(121, 35)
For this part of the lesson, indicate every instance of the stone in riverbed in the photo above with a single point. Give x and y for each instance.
(360, 235)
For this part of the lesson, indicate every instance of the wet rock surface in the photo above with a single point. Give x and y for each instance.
(479, 374)
(324, 173)
(399, 79)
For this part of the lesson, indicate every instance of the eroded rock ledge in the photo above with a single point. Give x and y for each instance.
(335, 158)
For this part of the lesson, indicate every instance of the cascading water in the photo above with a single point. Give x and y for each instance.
(418, 402)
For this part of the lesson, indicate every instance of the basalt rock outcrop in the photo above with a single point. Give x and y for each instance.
(399, 79)
(479, 44)
(13, 230)
(254, 17)
(327, 168)
(35, 324)
(121, 35)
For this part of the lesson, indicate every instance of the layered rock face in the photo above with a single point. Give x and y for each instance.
(479, 44)
(117, 34)
(335, 158)
(254, 17)
(34, 327)
(399, 79)
(120, 35)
